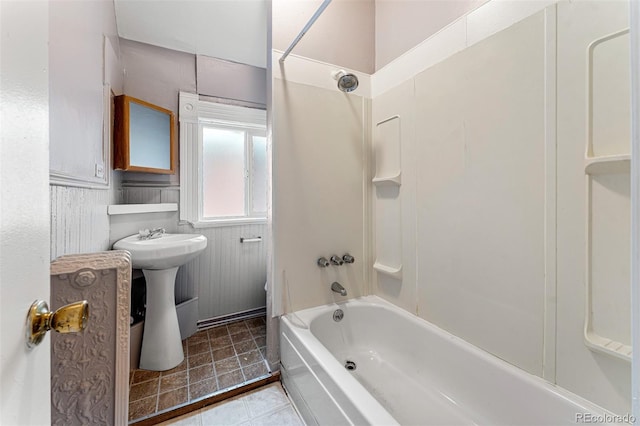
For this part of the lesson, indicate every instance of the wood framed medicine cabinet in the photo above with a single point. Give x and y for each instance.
(144, 137)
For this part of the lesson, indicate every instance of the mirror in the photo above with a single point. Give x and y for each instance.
(144, 137)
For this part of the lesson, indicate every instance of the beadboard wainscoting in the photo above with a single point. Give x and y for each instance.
(229, 276)
(79, 221)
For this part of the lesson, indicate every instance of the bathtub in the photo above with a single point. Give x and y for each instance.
(407, 371)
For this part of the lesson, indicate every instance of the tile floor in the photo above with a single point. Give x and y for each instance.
(215, 359)
(264, 406)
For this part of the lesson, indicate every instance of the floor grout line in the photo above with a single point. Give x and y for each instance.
(158, 394)
(188, 369)
(213, 361)
(186, 355)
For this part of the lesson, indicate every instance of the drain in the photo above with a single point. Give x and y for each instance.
(338, 314)
(350, 365)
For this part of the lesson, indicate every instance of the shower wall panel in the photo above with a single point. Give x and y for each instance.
(480, 138)
(594, 202)
(319, 175)
(519, 156)
(399, 102)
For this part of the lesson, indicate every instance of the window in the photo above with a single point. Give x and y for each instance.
(223, 163)
(234, 173)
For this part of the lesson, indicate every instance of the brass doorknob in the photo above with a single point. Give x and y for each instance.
(67, 319)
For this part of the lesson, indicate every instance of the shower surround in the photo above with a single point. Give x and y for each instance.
(497, 215)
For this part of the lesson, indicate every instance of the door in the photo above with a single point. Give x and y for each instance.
(24, 209)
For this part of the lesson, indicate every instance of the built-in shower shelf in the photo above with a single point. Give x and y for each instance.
(388, 270)
(608, 164)
(610, 347)
(395, 180)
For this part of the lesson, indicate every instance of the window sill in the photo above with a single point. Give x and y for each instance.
(228, 222)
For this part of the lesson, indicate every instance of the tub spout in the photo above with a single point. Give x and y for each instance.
(336, 287)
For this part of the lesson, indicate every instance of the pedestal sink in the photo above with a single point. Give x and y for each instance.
(159, 259)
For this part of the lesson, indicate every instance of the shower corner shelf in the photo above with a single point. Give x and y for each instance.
(604, 345)
(607, 164)
(388, 180)
(388, 270)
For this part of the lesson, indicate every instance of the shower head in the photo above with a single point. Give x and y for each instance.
(346, 82)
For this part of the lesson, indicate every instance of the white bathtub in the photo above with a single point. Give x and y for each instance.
(409, 372)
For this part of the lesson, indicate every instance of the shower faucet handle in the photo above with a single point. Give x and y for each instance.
(348, 258)
(322, 262)
(335, 260)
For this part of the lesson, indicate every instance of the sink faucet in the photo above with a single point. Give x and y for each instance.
(149, 234)
(336, 287)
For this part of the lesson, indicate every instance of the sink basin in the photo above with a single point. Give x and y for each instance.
(168, 251)
(159, 259)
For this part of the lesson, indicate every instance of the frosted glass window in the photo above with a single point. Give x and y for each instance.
(259, 174)
(150, 137)
(234, 173)
(223, 179)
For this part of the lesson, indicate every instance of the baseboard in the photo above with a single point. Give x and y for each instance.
(226, 319)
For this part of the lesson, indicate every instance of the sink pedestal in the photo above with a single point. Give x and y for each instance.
(159, 259)
(161, 343)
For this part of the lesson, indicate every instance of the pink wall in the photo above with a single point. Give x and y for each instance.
(343, 35)
(401, 25)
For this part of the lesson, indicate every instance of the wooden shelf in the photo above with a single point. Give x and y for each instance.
(388, 270)
(608, 164)
(388, 180)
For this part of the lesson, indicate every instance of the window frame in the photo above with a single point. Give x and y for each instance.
(194, 116)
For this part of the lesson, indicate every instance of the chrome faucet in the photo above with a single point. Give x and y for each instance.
(150, 234)
(348, 258)
(323, 262)
(336, 287)
(335, 260)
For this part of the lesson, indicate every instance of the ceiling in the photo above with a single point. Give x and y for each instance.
(234, 30)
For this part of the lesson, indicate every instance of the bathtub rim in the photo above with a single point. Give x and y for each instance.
(351, 389)
(317, 350)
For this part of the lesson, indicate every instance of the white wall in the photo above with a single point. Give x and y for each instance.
(320, 149)
(83, 51)
(83, 54)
